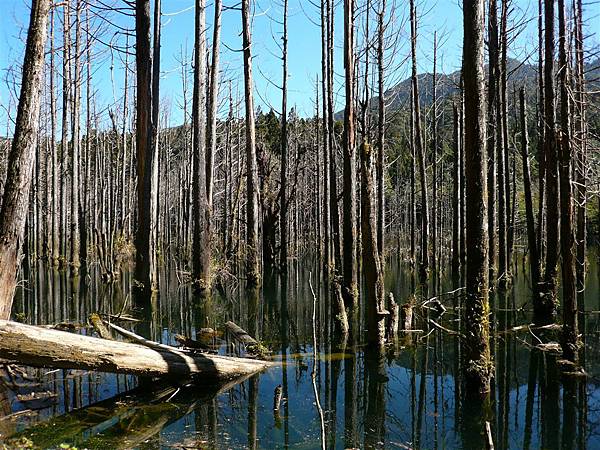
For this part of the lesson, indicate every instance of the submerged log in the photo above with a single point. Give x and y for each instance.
(39, 347)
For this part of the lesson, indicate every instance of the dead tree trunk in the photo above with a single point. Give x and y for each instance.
(201, 216)
(41, 347)
(213, 99)
(478, 362)
(491, 143)
(581, 145)
(534, 261)
(76, 146)
(15, 198)
(252, 205)
(531, 236)
(547, 307)
(327, 260)
(570, 336)
(145, 264)
(349, 173)
(284, 146)
(55, 252)
(374, 287)
(456, 190)
(420, 150)
(381, 132)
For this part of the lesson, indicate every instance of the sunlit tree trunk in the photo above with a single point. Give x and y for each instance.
(381, 131)
(15, 197)
(252, 206)
(349, 163)
(201, 216)
(477, 358)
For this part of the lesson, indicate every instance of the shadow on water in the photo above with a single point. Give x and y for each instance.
(411, 396)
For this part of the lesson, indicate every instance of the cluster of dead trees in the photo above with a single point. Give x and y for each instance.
(248, 191)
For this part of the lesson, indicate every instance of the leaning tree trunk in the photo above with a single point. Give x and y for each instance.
(15, 198)
(477, 359)
(252, 206)
(145, 264)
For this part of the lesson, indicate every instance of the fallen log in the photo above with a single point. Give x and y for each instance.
(39, 347)
(99, 326)
(239, 334)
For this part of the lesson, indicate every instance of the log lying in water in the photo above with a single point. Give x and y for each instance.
(239, 334)
(39, 347)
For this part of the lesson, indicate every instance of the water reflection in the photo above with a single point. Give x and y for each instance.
(411, 396)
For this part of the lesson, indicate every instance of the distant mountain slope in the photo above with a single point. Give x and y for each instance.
(519, 74)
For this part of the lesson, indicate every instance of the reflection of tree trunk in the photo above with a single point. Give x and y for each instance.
(529, 403)
(284, 349)
(422, 392)
(375, 377)
(550, 403)
(569, 419)
(350, 399)
(252, 411)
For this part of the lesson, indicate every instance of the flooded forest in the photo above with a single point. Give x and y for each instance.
(190, 260)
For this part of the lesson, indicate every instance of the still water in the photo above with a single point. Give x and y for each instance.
(411, 397)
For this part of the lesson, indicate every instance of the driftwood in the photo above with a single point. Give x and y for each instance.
(39, 347)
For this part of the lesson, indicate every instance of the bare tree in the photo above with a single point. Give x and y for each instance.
(284, 145)
(349, 167)
(252, 205)
(419, 149)
(201, 216)
(145, 267)
(570, 336)
(477, 347)
(15, 198)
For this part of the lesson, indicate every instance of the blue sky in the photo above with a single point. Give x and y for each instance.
(443, 16)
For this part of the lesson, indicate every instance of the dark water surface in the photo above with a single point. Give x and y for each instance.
(412, 397)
